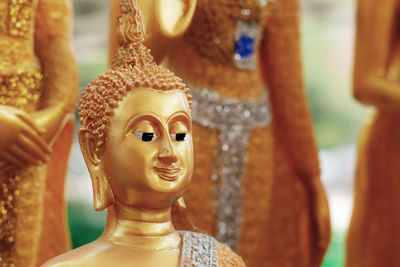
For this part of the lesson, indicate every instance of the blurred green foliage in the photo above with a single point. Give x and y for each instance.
(90, 70)
(335, 255)
(86, 225)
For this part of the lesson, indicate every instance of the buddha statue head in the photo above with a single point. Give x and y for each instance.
(136, 126)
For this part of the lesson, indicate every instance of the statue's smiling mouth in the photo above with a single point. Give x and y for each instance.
(168, 173)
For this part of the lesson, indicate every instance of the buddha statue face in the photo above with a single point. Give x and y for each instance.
(148, 153)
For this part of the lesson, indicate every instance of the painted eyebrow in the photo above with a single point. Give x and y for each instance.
(141, 117)
(171, 118)
(180, 114)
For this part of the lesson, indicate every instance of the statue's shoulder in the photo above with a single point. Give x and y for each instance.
(81, 256)
(203, 250)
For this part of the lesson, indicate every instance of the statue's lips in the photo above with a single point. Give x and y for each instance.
(169, 174)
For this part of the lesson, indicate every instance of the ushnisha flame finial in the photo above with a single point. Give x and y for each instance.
(131, 27)
(133, 67)
(131, 35)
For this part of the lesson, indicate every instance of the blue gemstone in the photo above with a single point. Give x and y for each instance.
(245, 46)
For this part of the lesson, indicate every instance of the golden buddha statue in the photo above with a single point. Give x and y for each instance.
(256, 178)
(136, 139)
(38, 92)
(372, 238)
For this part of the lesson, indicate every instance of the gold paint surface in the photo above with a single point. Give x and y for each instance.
(210, 32)
(145, 178)
(374, 229)
(8, 218)
(162, 165)
(200, 194)
(38, 83)
(172, 11)
(21, 90)
(17, 33)
(201, 57)
(144, 163)
(20, 15)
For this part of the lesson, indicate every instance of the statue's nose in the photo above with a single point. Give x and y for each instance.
(167, 152)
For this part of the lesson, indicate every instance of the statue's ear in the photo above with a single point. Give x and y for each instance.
(174, 16)
(87, 142)
(102, 192)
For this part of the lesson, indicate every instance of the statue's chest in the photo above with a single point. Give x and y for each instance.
(228, 32)
(125, 256)
(17, 17)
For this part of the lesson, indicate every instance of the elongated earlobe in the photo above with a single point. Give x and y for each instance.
(180, 204)
(103, 196)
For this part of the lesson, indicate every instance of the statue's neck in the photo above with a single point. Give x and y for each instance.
(141, 229)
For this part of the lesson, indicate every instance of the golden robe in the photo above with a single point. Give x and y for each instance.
(276, 227)
(373, 236)
(278, 203)
(33, 221)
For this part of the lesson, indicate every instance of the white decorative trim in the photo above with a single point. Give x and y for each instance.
(234, 120)
(199, 249)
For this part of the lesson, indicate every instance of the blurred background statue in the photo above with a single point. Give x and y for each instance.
(374, 234)
(140, 157)
(256, 183)
(38, 91)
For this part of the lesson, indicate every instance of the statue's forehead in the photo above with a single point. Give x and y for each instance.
(162, 104)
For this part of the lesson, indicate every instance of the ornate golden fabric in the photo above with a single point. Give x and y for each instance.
(202, 250)
(19, 17)
(227, 258)
(25, 205)
(374, 226)
(7, 217)
(277, 227)
(20, 90)
(211, 30)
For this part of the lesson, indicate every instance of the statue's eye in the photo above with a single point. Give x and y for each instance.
(146, 137)
(178, 137)
(178, 130)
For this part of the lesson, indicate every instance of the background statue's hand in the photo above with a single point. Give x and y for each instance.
(163, 20)
(21, 143)
(51, 120)
(321, 219)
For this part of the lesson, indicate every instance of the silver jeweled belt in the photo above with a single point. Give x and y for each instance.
(234, 120)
